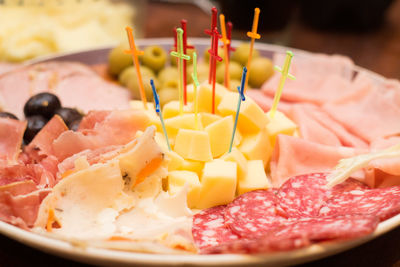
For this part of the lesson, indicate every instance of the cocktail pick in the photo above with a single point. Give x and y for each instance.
(180, 56)
(226, 42)
(135, 53)
(253, 35)
(240, 99)
(229, 26)
(158, 110)
(185, 47)
(213, 63)
(285, 74)
(210, 32)
(195, 85)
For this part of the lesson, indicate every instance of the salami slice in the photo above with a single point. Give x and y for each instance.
(300, 234)
(302, 196)
(348, 185)
(209, 228)
(330, 228)
(253, 214)
(260, 245)
(381, 202)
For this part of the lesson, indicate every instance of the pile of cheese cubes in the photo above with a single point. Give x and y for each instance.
(200, 155)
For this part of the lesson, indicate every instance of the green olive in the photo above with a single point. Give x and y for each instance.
(170, 83)
(154, 57)
(235, 71)
(134, 88)
(261, 69)
(241, 54)
(168, 73)
(118, 60)
(168, 94)
(130, 73)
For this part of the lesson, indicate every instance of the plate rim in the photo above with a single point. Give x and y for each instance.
(107, 256)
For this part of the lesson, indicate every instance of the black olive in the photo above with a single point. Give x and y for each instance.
(69, 115)
(74, 125)
(35, 124)
(8, 115)
(44, 104)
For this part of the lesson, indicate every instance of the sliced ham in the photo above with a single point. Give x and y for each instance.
(319, 78)
(265, 101)
(317, 126)
(294, 156)
(310, 129)
(73, 83)
(374, 115)
(11, 134)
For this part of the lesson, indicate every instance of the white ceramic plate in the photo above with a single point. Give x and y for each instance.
(100, 256)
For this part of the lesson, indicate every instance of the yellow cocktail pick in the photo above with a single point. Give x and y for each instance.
(285, 74)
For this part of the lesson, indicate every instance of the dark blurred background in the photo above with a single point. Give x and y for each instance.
(368, 31)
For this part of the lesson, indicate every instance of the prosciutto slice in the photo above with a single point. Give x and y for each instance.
(117, 128)
(11, 133)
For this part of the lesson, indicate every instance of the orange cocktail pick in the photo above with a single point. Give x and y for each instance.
(226, 42)
(253, 35)
(135, 53)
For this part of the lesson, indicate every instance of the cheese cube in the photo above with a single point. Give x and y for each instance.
(204, 96)
(190, 92)
(251, 117)
(175, 161)
(218, 184)
(177, 179)
(257, 146)
(171, 109)
(208, 118)
(195, 145)
(193, 165)
(220, 133)
(186, 121)
(240, 159)
(254, 179)
(279, 124)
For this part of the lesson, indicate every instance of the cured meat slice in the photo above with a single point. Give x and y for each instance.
(301, 233)
(303, 195)
(294, 156)
(42, 142)
(253, 214)
(330, 228)
(260, 245)
(73, 83)
(209, 228)
(11, 133)
(382, 202)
